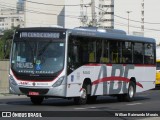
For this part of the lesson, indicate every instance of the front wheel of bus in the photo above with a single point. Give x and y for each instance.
(83, 97)
(131, 92)
(37, 100)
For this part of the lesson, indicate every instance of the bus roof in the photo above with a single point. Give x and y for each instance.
(112, 34)
(93, 32)
(38, 29)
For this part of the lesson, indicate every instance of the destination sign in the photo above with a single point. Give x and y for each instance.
(39, 35)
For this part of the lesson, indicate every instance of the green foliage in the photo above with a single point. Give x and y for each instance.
(5, 43)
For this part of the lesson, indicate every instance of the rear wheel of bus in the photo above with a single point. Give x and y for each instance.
(131, 92)
(37, 100)
(129, 96)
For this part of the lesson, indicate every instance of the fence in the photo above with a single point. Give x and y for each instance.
(4, 83)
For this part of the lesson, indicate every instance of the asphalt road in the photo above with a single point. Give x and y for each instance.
(105, 107)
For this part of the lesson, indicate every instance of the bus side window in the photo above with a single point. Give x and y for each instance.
(104, 54)
(85, 55)
(104, 59)
(138, 53)
(91, 56)
(99, 52)
(126, 52)
(148, 53)
(73, 59)
(114, 57)
(92, 51)
(114, 51)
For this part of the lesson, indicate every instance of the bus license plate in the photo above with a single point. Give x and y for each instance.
(33, 93)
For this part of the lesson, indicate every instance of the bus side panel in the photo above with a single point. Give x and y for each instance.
(146, 78)
(76, 78)
(118, 78)
(111, 79)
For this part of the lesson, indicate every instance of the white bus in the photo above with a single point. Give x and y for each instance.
(80, 63)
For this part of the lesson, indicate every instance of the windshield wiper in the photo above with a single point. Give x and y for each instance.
(43, 49)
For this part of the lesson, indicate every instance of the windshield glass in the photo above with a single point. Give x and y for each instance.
(37, 57)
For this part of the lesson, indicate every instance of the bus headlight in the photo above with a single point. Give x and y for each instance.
(12, 81)
(58, 82)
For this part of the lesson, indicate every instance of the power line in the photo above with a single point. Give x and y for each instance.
(31, 11)
(127, 19)
(69, 16)
(151, 29)
(103, 14)
(49, 4)
(38, 12)
(134, 20)
(40, 9)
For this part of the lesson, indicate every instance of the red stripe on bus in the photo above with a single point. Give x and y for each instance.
(115, 78)
(137, 65)
(139, 84)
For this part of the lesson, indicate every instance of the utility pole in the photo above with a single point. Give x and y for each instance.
(93, 12)
(128, 20)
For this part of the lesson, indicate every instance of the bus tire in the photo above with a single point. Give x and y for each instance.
(91, 99)
(37, 100)
(83, 97)
(131, 92)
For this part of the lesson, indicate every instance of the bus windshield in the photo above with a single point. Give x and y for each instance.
(39, 57)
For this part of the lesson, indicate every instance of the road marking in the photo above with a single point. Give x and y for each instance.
(85, 108)
(79, 108)
(142, 95)
(135, 104)
(92, 108)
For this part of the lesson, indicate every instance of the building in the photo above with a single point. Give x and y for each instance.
(138, 17)
(40, 13)
(125, 17)
(20, 6)
(69, 13)
(9, 17)
(106, 13)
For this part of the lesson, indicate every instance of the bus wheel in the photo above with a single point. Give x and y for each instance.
(91, 99)
(83, 97)
(36, 100)
(131, 92)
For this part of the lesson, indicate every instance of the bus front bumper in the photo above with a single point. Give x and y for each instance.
(39, 91)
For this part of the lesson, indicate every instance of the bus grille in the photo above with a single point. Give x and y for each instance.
(40, 91)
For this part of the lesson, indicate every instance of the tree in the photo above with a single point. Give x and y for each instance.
(5, 43)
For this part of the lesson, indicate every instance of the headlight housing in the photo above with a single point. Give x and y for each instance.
(58, 82)
(12, 80)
